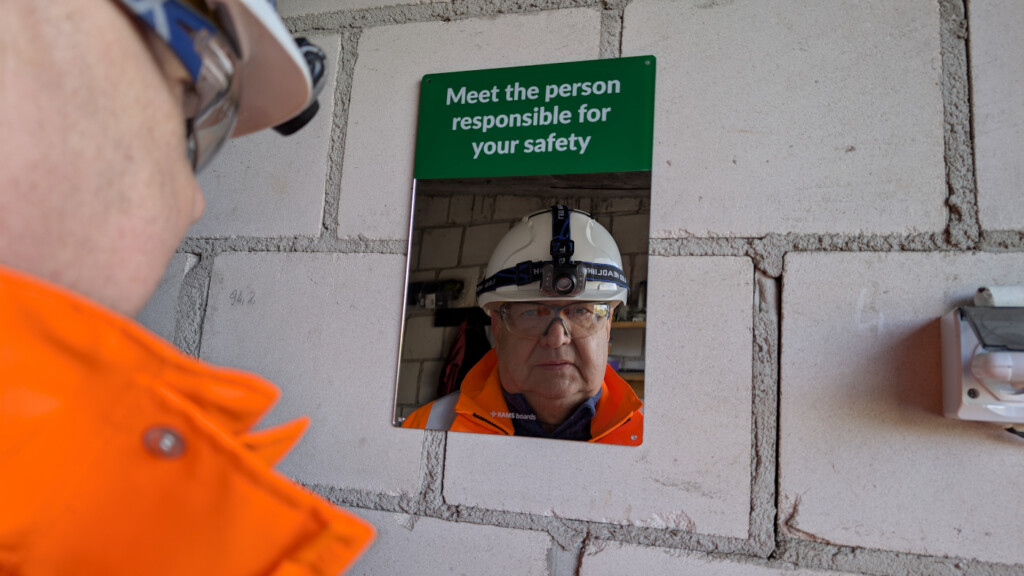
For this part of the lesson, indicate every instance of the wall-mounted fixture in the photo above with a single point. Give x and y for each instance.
(983, 357)
(433, 295)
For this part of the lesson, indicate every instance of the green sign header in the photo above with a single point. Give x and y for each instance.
(570, 118)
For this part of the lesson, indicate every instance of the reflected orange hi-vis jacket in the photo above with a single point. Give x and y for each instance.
(120, 455)
(481, 407)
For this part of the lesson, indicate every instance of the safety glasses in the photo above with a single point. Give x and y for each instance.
(200, 40)
(211, 104)
(534, 319)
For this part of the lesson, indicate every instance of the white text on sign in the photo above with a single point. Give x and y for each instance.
(542, 115)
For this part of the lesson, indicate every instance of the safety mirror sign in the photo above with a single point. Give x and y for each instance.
(525, 307)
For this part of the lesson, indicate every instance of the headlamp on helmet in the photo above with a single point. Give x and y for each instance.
(563, 280)
(579, 260)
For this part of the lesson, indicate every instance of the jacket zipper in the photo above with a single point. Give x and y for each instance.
(482, 419)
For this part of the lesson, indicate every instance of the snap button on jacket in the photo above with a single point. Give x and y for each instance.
(120, 455)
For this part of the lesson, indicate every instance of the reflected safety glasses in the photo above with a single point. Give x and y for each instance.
(211, 100)
(534, 319)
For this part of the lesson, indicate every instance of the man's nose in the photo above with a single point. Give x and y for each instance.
(557, 333)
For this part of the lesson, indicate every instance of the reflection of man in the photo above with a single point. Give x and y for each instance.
(552, 286)
(118, 454)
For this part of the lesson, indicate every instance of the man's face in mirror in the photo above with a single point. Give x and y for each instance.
(555, 371)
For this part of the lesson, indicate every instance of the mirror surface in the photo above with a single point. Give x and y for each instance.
(526, 289)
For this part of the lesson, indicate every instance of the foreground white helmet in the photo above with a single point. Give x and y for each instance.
(247, 72)
(558, 254)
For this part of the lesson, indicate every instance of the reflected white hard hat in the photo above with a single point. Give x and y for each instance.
(557, 254)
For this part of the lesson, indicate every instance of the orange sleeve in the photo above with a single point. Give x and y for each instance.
(418, 419)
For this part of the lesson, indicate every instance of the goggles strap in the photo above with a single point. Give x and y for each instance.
(528, 272)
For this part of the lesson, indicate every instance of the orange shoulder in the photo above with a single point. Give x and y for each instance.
(418, 419)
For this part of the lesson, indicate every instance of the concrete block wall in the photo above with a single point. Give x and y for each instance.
(452, 239)
(829, 178)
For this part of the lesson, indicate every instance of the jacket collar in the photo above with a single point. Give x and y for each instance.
(481, 398)
(54, 332)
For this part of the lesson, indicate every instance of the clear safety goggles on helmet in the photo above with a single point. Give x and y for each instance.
(534, 319)
(211, 104)
(202, 37)
(197, 37)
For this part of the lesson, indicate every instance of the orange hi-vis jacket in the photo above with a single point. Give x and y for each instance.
(481, 407)
(120, 455)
